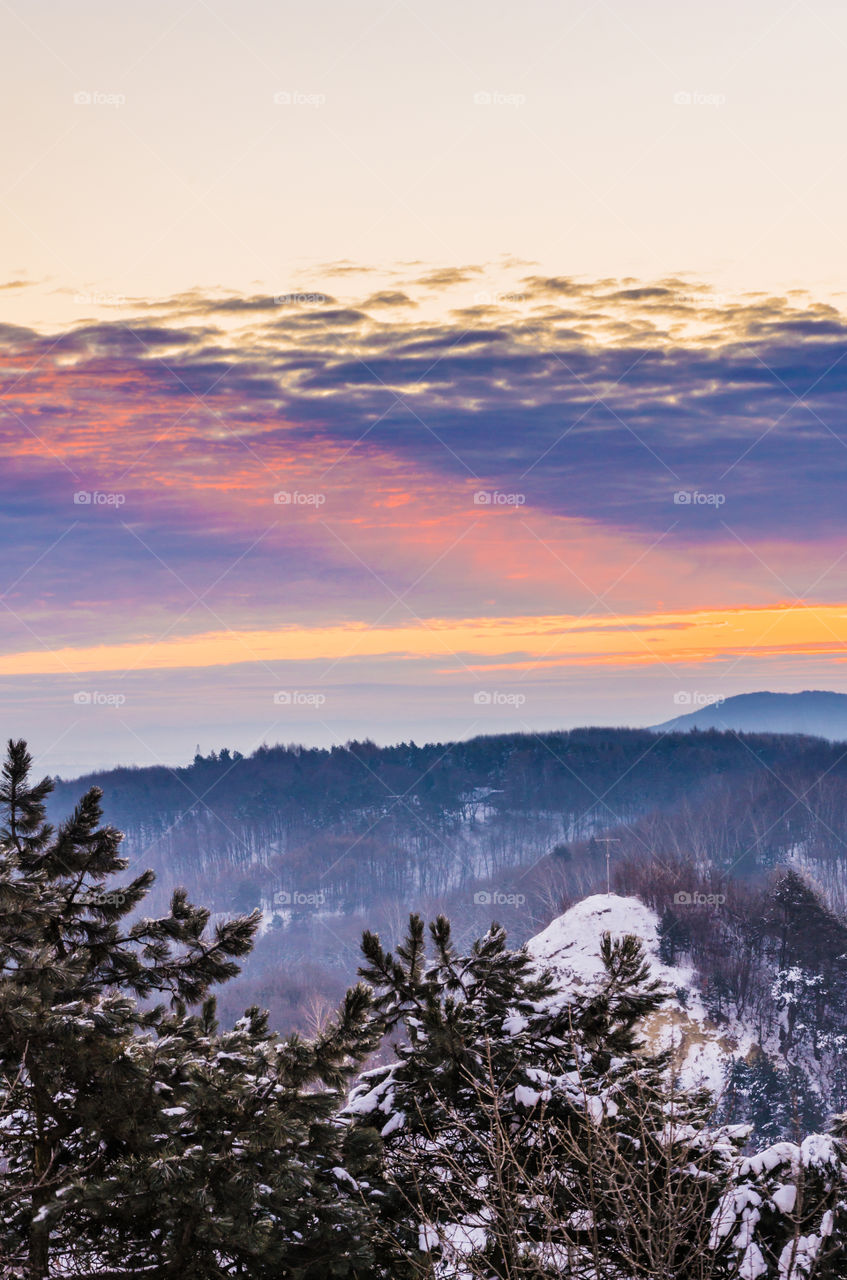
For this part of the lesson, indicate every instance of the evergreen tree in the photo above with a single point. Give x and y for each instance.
(777, 1101)
(518, 1122)
(799, 930)
(716, 996)
(674, 937)
(783, 1215)
(136, 1137)
(767, 1111)
(239, 1167)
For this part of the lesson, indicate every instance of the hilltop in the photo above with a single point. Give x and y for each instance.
(817, 712)
(570, 946)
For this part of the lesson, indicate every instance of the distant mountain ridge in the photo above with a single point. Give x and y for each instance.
(817, 712)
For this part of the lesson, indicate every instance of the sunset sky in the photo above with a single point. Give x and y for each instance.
(405, 370)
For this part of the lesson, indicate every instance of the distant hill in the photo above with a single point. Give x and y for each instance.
(817, 712)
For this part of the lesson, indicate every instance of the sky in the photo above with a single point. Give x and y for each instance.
(413, 371)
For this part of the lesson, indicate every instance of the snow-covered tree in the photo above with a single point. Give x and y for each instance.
(527, 1132)
(137, 1138)
(784, 1213)
(238, 1167)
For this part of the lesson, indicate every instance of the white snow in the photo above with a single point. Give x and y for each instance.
(570, 945)
(818, 1149)
(427, 1238)
(514, 1024)
(527, 1097)
(361, 1103)
(594, 1107)
(396, 1122)
(753, 1263)
(572, 941)
(785, 1197)
(777, 1154)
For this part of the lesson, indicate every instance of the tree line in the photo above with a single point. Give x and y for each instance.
(360, 821)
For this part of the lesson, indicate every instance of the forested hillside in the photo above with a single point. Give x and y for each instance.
(328, 842)
(525, 1124)
(360, 822)
(317, 837)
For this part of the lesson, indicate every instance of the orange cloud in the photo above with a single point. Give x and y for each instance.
(519, 644)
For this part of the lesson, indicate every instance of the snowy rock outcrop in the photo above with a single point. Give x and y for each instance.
(570, 946)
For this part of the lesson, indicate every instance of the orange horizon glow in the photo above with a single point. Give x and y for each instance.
(521, 644)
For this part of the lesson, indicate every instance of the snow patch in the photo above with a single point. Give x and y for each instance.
(570, 945)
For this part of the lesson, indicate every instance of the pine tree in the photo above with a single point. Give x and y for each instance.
(674, 937)
(716, 996)
(734, 1104)
(137, 1137)
(240, 1167)
(800, 930)
(521, 1125)
(69, 972)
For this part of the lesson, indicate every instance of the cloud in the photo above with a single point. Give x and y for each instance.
(597, 422)
(260, 302)
(555, 285)
(527, 641)
(389, 298)
(642, 295)
(298, 314)
(444, 277)
(344, 267)
(13, 337)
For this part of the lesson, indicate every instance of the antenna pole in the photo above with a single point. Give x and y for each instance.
(607, 841)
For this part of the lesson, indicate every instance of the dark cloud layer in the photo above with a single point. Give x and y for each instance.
(600, 413)
(752, 406)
